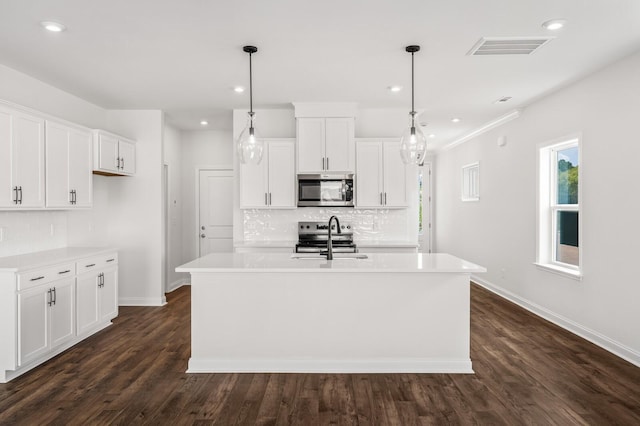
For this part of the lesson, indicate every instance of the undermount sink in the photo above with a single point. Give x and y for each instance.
(336, 256)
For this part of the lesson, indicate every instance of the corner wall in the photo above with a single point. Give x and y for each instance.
(499, 231)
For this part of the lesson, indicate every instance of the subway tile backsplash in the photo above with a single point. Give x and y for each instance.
(368, 225)
(24, 231)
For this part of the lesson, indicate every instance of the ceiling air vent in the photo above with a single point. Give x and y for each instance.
(508, 45)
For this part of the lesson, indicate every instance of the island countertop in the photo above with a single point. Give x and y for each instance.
(375, 262)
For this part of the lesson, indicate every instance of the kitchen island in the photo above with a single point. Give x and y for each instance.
(388, 313)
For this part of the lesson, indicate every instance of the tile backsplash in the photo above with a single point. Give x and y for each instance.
(368, 225)
(28, 231)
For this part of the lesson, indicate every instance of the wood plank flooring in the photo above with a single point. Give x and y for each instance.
(528, 371)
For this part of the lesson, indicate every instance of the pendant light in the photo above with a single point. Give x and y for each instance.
(413, 144)
(249, 145)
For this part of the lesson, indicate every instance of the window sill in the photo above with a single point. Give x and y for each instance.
(559, 270)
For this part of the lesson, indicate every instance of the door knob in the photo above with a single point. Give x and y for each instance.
(203, 228)
(202, 236)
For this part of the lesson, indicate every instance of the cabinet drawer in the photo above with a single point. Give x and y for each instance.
(41, 276)
(96, 262)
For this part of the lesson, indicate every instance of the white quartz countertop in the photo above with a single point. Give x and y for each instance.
(24, 262)
(283, 262)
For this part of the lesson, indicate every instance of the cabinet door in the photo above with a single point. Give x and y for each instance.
(338, 140)
(311, 139)
(108, 153)
(57, 165)
(33, 323)
(62, 311)
(7, 194)
(395, 176)
(28, 159)
(369, 192)
(282, 178)
(87, 313)
(80, 167)
(109, 295)
(127, 152)
(253, 183)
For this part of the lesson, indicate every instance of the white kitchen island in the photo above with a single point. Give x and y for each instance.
(389, 313)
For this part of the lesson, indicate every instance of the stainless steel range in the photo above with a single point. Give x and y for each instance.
(312, 238)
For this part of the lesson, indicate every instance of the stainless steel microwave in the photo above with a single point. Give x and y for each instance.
(325, 190)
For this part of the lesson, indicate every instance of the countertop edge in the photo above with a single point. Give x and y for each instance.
(30, 261)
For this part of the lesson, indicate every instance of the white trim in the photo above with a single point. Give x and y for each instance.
(177, 284)
(470, 185)
(484, 128)
(559, 270)
(616, 348)
(142, 301)
(389, 365)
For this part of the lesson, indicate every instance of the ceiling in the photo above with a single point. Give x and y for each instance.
(185, 56)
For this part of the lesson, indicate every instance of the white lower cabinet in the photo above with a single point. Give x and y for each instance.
(97, 298)
(46, 309)
(47, 318)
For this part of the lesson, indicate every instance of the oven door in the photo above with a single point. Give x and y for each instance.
(321, 190)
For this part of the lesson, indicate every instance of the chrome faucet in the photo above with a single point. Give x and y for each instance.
(329, 242)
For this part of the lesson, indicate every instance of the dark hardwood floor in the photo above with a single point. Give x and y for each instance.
(528, 371)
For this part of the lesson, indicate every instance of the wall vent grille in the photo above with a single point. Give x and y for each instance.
(508, 45)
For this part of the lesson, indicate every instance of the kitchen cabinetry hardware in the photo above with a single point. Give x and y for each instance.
(327, 163)
(122, 167)
(266, 203)
(269, 198)
(15, 195)
(64, 272)
(20, 195)
(49, 298)
(323, 167)
(55, 296)
(110, 260)
(385, 198)
(90, 265)
(36, 279)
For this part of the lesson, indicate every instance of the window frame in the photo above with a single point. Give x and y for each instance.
(548, 207)
(470, 190)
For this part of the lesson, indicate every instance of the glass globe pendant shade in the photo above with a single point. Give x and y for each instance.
(249, 145)
(413, 145)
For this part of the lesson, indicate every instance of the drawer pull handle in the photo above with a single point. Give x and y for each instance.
(89, 266)
(36, 279)
(110, 260)
(65, 272)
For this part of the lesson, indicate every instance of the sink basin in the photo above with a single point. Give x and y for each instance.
(336, 256)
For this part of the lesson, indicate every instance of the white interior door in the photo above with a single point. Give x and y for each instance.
(216, 211)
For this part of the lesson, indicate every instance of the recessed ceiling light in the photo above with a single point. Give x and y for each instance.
(455, 120)
(238, 89)
(432, 136)
(394, 89)
(204, 122)
(554, 24)
(55, 27)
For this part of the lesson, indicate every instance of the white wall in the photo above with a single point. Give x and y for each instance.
(499, 231)
(173, 159)
(135, 209)
(200, 149)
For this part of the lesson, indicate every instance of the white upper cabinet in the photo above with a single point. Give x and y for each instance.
(270, 184)
(21, 160)
(69, 166)
(325, 145)
(381, 177)
(113, 154)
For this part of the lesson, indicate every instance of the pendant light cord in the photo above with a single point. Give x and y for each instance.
(250, 89)
(413, 110)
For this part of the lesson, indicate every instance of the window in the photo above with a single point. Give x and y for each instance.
(471, 182)
(559, 227)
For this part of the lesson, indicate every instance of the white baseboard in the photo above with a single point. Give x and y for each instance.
(594, 337)
(177, 284)
(142, 301)
(400, 365)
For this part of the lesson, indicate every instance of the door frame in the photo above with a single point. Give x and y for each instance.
(199, 169)
(425, 245)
